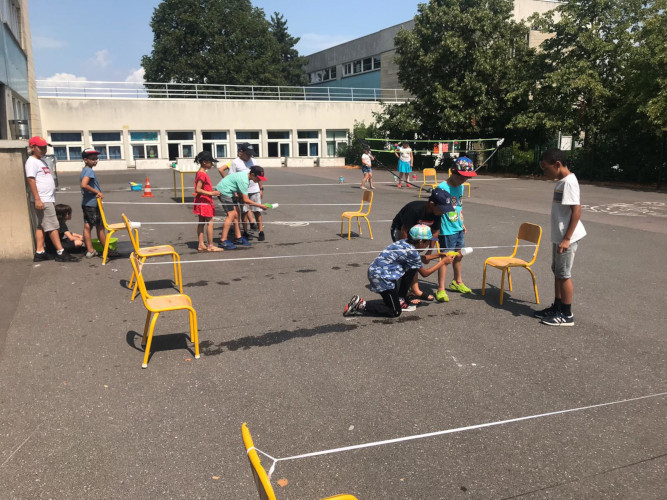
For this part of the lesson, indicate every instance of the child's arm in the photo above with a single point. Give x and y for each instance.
(87, 187)
(199, 190)
(574, 220)
(248, 201)
(39, 205)
(446, 259)
(412, 159)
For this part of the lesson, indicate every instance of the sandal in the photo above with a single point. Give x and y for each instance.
(202, 250)
(426, 297)
(212, 248)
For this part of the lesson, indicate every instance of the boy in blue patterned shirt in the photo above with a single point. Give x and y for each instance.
(393, 272)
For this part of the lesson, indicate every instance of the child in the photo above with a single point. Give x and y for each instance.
(452, 226)
(393, 272)
(43, 195)
(566, 231)
(237, 183)
(204, 206)
(72, 242)
(405, 162)
(366, 164)
(90, 191)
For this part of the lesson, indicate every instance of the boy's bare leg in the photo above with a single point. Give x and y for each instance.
(101, 235)
(260, 221)
(39, 240)
(564, 290)
(442, 277)
(87, 237)
(55, 239)
(457, 266)
(231, 218)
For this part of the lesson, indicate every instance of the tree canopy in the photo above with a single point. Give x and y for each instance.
(292, 67)
(219, 41)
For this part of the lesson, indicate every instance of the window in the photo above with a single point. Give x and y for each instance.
(278, 143)
(109, 144)
(368, 64)
(145, 145)
(323, 75)
(180, 145)
(362, 66)
(335, 139)
(216, 143)
(251, 137)
(67, 145)
(308, 142)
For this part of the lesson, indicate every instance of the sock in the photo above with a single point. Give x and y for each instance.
(60, 252)
(362, 305)
(39, 253)
(566, 309)
(558, 304)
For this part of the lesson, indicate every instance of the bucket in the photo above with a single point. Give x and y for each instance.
(135, 187)
(98, 246)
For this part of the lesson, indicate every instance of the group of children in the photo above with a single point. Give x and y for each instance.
(394, 273)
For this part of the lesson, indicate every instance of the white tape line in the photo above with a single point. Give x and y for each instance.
(284, 222)
(452, 431)
(176, 204)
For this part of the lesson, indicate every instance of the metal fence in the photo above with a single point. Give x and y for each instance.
(132, 90)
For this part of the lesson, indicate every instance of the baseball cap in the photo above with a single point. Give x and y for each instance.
(247, 149)
(464, 166)
(258, 171)
(89, 151)
(420, 232)
(205, 156)
(442, 200)
(38, 141)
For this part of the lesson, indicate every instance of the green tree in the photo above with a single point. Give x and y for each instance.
(213, 41)
(466, 63)
(292, 67)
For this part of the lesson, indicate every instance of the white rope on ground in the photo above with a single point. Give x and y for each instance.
(283, 222)
(176, 204)
(449, 431)
(272, 257)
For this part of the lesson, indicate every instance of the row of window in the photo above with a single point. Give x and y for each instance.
(349, 69)
(181, 144)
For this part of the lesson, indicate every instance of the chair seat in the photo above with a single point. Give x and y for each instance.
(506, 262)
(353, 214)
(168, 302)
(117, 227)
(160, 249)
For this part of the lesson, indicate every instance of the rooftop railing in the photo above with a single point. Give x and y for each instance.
(132, 90)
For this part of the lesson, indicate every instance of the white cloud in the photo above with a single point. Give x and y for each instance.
(65, 77)
(102, 58)
(314, 42)
(46, 42)
(136, 76)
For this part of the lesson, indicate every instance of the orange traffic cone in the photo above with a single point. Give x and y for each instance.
(148, 193)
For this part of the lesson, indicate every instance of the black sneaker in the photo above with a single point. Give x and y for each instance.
(253, 226)
(546, 313)
(40, 257)
(352, 307)
(246, 235)
(559, 319)
(66, 257)
(260, 236)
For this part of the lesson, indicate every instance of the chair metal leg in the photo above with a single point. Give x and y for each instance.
(502, 287)
(178, 272)
(484, 280)
(195, 329)
(134, 291)
(537, 297)
(143, 338)
(369, 226)
(106, 247)
(342, 219)
(359, 225)
(147, 352)
(349, 228)
(509, 279)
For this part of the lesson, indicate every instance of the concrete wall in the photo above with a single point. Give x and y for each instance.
(17, 237)
(86, 115)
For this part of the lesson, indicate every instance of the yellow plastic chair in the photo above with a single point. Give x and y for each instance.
(109, 229)
(464, 184)
(428, 174)
(366, 198)
(531, 233)
(262, 482)
(156, 304)
(156, 251)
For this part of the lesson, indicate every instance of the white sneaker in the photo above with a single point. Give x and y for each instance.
(90, 255)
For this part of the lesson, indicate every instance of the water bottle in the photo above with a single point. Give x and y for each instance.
(341, 180)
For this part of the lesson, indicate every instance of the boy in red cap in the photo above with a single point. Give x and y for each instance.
(43, 195)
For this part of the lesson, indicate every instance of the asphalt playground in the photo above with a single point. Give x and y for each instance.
(80, 418)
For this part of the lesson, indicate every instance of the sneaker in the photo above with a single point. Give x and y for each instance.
(40, 257)
(90, 255)
(227, 245)
(459, 287)
(253, 226)
(246, 235)
(407, 307)
(242, 242)
(66, 257)
(558, 319)
(546, 313)
(260, 236)
(441, 296)
(352, 307)
(399, 185)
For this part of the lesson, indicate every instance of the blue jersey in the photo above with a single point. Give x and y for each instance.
(392, 263)
(452, 222)
(89, 199)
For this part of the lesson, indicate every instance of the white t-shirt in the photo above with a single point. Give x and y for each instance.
(238, 165)
(366, 159)
(46, 186)
(404, 154)
(566, 194)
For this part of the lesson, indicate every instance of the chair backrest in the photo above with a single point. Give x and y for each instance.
(138, 266)
(258, 473)
(104, 218)
(531, 233)
(133, 239)
(366, 198)
(430, 172)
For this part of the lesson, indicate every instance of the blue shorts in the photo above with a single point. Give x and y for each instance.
(366, 170)
(404, 167)
(450, 242)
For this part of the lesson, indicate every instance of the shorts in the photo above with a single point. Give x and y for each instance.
(366, 169)
(46, 219)
(561, 263)
(450, 242)
(91, 215)
(257, 198)
(227, 203)
(404, 167)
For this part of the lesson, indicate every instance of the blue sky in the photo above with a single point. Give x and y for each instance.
(105, 39)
